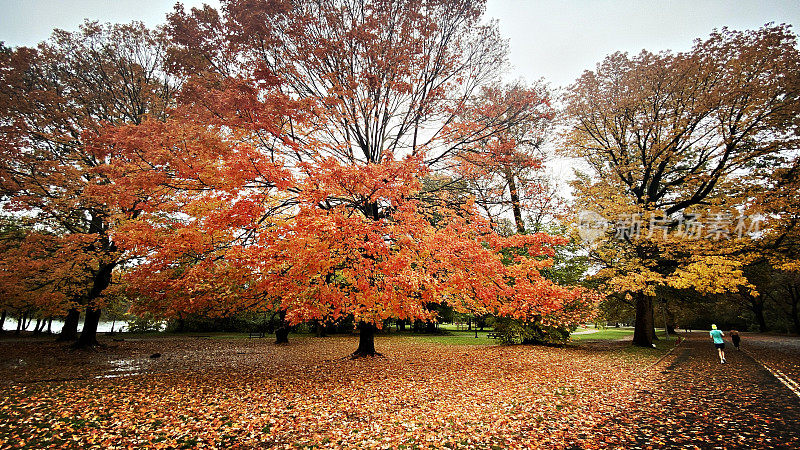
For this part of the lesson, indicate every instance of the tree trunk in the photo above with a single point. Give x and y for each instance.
(670, 322)
(69, 332)
(102, 280)
(653, 334)
(401, 325)
(49, 325)
(756, 305)
(366, 341)
(282, 335)
(515, 203)
(26, 321)
(319, 329)
(2, 320)
(36, 329)
(88, 336)
(644, 331)
(282, 332)
(758, 310)
(794, 299)
(20, 320)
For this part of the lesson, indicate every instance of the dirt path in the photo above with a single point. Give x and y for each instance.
(692, 401)
(779, 352)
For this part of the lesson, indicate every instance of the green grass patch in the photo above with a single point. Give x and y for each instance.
(604, 335)
(452, 338)
(454, 327)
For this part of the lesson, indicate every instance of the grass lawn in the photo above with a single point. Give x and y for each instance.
(452, 336)
(455, 338)
(606, 334)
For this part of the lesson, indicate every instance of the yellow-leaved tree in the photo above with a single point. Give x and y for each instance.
(668, 138)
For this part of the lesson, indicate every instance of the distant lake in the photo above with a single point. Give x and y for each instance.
(103, 327)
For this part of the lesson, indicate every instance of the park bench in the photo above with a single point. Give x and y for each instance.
(258, 334)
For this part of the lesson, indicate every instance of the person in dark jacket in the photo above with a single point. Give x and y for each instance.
(735, 338)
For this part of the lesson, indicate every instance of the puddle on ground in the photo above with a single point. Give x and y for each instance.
(16, 363)
(125, 368)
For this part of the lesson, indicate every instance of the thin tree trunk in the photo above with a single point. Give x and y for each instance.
(644, 331)
(366, 341)
(113, 321)
(49, 325)
(20, 320)
(69, 332)
(652, 327)
(515, 203)
(430, 327)
(319, 329)
(670, 322)
(758, 310)
(756, 305)
(36, 329)
(26, 321)
(2, 320)
(795, 296)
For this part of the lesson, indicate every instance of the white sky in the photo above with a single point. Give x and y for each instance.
(552, 39)
(558, 40)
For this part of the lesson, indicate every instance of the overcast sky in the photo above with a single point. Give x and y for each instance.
(551, 39)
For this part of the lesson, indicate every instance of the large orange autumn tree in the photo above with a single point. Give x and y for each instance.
(289, 178)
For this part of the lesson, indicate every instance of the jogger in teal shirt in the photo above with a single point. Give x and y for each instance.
(716, 336)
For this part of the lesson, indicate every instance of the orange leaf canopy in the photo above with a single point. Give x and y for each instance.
(223, 228)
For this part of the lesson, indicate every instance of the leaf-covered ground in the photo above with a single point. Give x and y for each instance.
(693, 401)
(250, 393)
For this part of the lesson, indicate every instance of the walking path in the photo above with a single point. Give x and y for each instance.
(690, 400)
